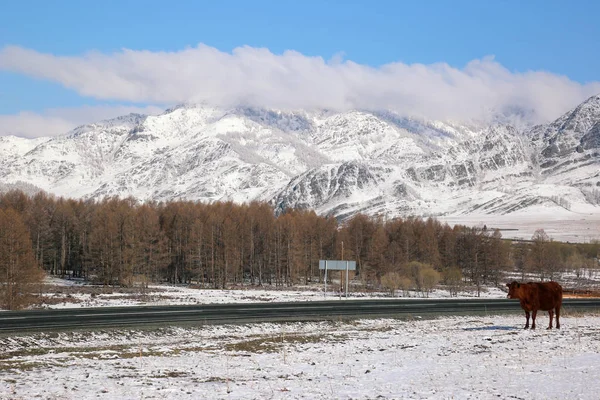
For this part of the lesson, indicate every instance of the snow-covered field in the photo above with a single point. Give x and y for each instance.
(483, 357)
(487, 357)
(65, 293)
(560, 225)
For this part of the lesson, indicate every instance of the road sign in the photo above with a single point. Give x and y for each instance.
(337, 265)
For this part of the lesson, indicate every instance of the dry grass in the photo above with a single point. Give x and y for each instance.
(581, 293)
(50, 295)
(273, 344)
(20, 365)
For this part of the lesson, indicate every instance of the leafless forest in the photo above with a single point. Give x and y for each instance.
(121, 242)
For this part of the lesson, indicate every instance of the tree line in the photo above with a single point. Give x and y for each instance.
(122, 242)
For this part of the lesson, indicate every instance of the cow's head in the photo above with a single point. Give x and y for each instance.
(514, 289)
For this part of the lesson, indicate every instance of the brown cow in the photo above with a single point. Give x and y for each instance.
(534, 296)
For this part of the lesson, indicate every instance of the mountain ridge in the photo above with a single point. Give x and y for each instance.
(337, 163)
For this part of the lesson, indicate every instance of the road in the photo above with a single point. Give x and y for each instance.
(153, 316)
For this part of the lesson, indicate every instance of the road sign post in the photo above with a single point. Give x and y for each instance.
(325, 291)
(338, 265)
(346, 279)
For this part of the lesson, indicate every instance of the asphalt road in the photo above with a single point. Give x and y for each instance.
(153, 316)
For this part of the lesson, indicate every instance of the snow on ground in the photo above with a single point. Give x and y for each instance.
(564, 226)
(468, 357)
(484, 357)
(68, 293)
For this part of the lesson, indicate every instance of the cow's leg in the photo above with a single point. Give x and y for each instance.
(558, 317)
(533, 315)
(551, 313)
(526, 319)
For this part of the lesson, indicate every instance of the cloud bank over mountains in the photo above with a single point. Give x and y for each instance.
(479, 91)
(56, 121)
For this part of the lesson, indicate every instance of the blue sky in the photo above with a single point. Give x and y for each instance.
(550, 46)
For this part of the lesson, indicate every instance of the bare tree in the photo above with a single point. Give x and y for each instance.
(430, 279)
(452, 278)
(538, 257)
(391, 281)
(19, 271)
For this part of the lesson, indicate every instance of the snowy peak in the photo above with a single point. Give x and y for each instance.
(582, 118)
(337, 163)
(351, 181)
(362, 136)
(562, 135)
(591, 139)
(13, 146)
(567, 150)
(117, 125)
(286, 121)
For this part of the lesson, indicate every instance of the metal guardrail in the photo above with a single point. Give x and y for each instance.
(149, 316)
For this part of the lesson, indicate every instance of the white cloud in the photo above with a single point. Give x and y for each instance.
(258, 77)
(60, 120)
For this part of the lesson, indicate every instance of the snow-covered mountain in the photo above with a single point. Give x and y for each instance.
(337, 163)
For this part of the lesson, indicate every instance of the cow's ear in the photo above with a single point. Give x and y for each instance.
(508, 285)
(518, 285)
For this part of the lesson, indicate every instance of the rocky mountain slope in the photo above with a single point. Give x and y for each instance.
(378, 163)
